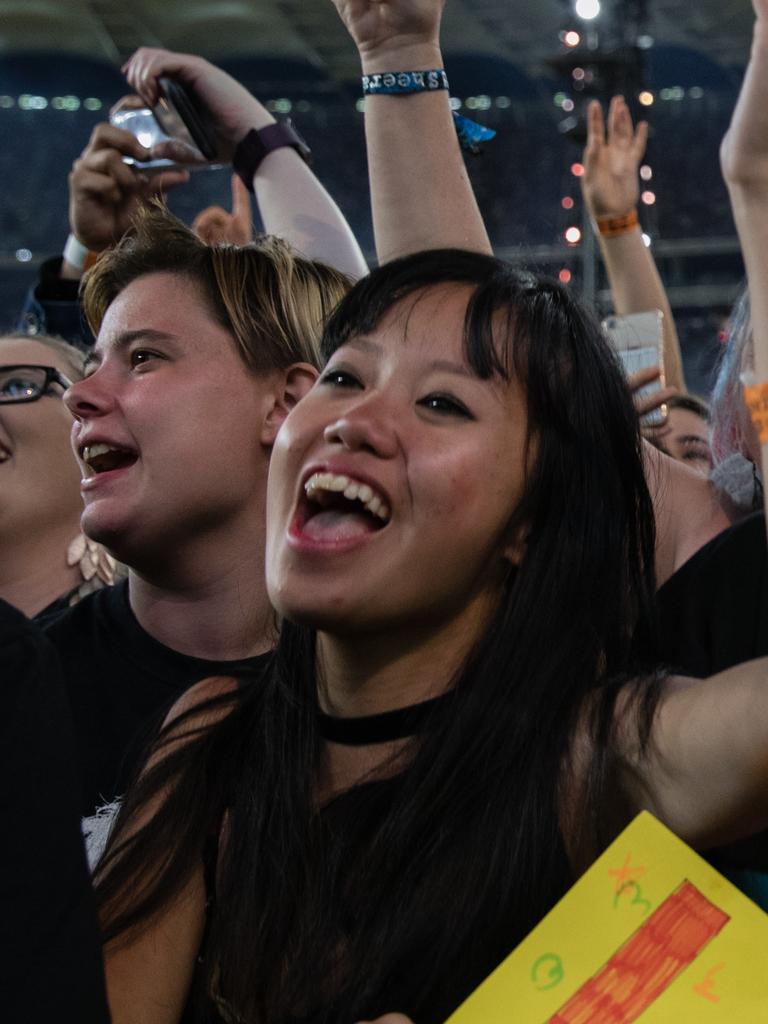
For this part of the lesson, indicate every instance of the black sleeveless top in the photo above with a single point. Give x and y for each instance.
(348, 820)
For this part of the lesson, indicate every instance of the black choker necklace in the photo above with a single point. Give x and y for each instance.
(398, 724)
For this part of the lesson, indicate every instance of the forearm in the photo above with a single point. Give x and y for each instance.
(421, 195)
(705, 772)
(744, 161)
(750, 211)
(294, 205)
(636, 287)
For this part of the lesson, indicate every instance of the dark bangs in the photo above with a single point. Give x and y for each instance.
(496, 284)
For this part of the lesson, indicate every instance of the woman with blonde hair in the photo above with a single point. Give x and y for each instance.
(46, 563)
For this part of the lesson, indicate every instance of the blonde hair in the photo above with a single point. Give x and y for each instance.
(272, 301)
(72, 356)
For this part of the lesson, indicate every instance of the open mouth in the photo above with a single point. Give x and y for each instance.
(337, 508)
(103, 458)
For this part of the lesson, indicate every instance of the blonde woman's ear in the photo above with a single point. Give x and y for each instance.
(291, 385)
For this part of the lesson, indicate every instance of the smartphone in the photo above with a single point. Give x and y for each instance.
(181, 116)
(177, 117)
(143, 124)
(639, 342)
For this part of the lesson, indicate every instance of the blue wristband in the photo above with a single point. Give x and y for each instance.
(398, 83)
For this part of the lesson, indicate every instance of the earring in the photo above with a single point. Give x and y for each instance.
(97, 567)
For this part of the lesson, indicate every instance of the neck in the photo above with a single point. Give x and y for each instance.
(368, 674)
(209, 601)
(34, 570)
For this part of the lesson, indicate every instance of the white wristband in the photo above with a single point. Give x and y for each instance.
(75, 252)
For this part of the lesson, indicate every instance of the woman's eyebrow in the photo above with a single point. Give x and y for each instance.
(364, 345)
(446, 366)
(123, 340)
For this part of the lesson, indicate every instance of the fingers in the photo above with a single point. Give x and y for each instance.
(215, 225)
(148, 63)
(648, 403)
(595, 131)
(102, 187)
(107, 162)
(129, 102)
(241, 208)
(106, 136)
(157, 184)
(641, 378)
(645, 401)
(619, 121)
(241, 199)
(177, 151)
(211, 225)
(641, 140)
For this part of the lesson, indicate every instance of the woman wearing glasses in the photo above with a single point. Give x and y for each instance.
(44, 559)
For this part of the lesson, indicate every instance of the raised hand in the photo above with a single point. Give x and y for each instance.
(744, 150)
(646, 400)
(610, 183)
(104, 192)
(383, 27)
(214, 225)
(232, 108)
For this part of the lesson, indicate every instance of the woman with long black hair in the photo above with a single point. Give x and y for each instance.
(456, 718)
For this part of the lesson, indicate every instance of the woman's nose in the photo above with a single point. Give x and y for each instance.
(367, 427)
(87, 397)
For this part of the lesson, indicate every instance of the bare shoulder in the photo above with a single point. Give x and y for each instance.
(687, 507)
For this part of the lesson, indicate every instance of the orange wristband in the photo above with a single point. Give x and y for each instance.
(611, 227)
(756, 398)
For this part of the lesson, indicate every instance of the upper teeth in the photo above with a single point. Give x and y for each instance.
(351, 489)
(90, 451)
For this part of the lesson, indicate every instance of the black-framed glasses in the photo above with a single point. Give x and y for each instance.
(25, 382)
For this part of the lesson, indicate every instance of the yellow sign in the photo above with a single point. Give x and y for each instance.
(651, 931)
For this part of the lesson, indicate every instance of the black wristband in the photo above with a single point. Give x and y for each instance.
(252, 149)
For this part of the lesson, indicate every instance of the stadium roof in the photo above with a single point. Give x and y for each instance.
(521, 32)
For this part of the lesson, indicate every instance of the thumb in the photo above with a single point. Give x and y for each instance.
(241, 202)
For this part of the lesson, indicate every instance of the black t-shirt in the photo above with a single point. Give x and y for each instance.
(121, 682)
(714, 615)
(50, 952)
(714, 610)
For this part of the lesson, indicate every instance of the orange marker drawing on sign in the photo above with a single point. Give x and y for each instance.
(704, 988)
(648, 962)
(626, 873)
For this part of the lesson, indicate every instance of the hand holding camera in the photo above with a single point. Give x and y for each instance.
(105, 192)
(212, 101)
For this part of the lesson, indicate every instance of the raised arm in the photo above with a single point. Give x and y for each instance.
(611, 192)
(420, 191)
(293, 203)
(744, 161)
(705, 771)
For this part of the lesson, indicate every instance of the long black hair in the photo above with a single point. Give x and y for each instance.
(404, 892)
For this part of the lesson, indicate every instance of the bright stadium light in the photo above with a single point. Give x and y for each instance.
(587, 9)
